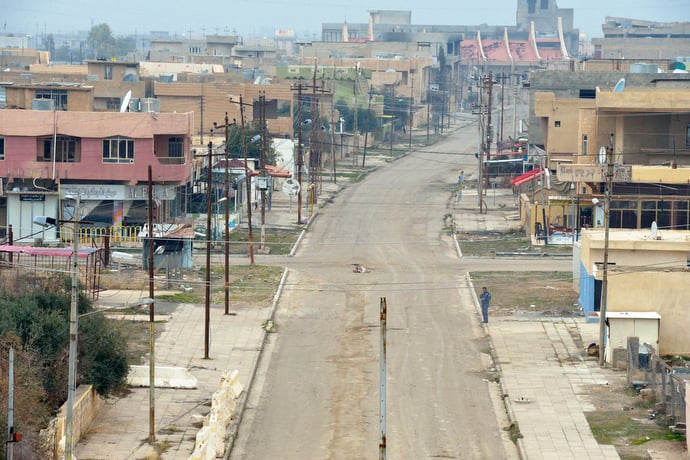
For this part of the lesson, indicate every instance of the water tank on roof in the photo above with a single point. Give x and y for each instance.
(641, 67)
(42, 104)
(149, 104)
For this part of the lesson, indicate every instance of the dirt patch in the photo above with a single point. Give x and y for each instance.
(529, 293)
(622, 418)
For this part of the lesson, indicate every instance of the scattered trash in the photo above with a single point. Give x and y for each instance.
(522, 400)
(268, 326)
(358, 268)
(593, 349)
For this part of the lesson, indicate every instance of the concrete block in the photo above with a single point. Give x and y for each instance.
(164, 377)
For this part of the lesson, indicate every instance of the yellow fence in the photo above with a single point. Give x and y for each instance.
(96, 235)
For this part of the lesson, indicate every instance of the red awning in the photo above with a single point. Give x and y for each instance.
(275, 171)
(528, 176)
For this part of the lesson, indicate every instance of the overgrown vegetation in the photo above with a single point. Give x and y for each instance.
(34, 322)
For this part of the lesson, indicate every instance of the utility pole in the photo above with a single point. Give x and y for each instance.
(152, 335)
(300, 157)
(503, 86)
(428, 109)
(515, 104)
(207, 285)
(409, 143)
(226, 222)
(354, 129)
(201, 116)
(226, 234)
(605, 274)
(10, 406)
(314, 157)
(248, 180)
(489, 128)
(382, 378)
(366, 133)
(262, 166)
(73, 331)
(480, 154)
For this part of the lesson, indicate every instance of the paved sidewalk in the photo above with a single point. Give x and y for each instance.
(546, 380)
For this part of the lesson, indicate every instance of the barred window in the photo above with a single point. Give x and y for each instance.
(176, 147)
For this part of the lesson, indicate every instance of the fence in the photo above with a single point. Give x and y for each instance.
(667, 382)
(95, 236)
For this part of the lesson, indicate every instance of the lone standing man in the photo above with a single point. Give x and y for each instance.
(485, 299)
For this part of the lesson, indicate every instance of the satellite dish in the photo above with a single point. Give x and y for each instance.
(291, 187)
(620, 86)
(654, 230)
(125, 102)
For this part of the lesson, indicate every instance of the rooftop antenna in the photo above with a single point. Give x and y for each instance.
(125, 102)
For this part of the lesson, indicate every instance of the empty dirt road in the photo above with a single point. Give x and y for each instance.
(317, 392)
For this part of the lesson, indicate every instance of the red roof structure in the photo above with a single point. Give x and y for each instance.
(528, 176)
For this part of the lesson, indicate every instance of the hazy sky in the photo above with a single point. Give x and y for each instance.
(261, 17)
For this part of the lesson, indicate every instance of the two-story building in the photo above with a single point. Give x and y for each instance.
(100, 157)
(646, 132)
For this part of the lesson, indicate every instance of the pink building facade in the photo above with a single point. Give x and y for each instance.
(101, 157)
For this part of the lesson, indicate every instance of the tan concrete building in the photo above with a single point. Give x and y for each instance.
(646, 131)
(648, 272)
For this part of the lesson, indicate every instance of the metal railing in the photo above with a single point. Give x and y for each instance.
(666, 381)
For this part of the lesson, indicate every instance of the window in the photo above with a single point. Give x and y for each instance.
(687, 136)
(118, 150)
(588, 94)
(63, 149)
(2, 148)
(108, 72)
(176, 147)
(112, 103)
(557, 124)
(544, 4)
(58, 96)
(531, 6)
(585, 144)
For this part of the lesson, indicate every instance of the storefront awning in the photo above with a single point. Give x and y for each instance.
(528, 176)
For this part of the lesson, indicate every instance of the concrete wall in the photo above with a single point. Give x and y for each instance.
(662, 292)
(86, 405)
